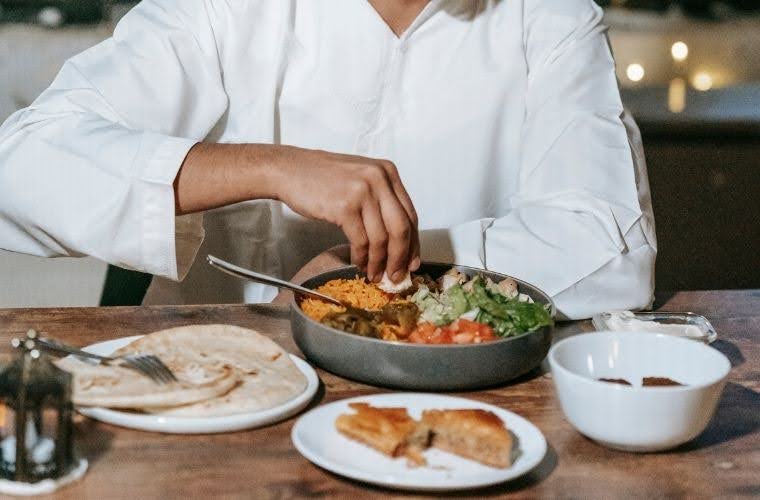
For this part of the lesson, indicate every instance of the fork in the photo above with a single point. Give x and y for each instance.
(147, 364)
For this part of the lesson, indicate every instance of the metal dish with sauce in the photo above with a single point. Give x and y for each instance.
(420, 366)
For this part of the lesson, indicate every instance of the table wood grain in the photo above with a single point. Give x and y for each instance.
(723, 462)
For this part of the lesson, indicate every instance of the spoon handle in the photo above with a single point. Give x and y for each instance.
(240, 272)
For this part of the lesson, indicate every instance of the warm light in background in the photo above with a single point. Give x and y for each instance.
(702, 81)
(635, 72)
(679, 51)
(677, 95)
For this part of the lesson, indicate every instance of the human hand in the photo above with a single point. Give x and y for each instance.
(364, 197)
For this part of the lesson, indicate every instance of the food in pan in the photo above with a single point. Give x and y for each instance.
(222, 370)
(460, 331)
(454, 309)
(474, 434)
(356, 292)
(387, 285)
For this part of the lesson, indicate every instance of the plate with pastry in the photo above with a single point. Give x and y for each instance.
(421, 442)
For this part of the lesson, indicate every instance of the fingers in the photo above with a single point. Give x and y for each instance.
(358, 240)
(378, 217)
(406, 202)
(378, 239)
(414, 253)
(399, 238)
(400, 190)
(398, 227)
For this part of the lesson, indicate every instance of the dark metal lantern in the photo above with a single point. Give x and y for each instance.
(37, 416)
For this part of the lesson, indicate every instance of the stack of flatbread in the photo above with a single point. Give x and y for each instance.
(221, 370)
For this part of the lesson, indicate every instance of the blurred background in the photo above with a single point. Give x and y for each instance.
(689, 71)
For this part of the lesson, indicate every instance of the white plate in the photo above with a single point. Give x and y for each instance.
(316, 438)
(187, 425)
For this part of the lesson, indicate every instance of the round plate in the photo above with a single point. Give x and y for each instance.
(315, 437)
(208, 425)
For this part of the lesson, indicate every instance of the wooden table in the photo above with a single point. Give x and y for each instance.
(722, 462)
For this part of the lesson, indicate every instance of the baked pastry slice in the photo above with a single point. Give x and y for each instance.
(388, 430)
(475, 434)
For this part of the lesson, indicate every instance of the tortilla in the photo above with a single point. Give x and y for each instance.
(119, 387)
(268, 377)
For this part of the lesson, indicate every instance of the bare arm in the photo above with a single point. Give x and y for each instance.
(215, 175)
(363, 196)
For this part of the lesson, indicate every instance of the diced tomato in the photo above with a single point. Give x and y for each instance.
(415, 338)
(476, 330)
(461, 331)
(423, 333)
(440, 336)
(464, 338)
(463, 325)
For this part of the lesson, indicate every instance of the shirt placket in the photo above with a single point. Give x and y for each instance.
(389, 91)
(378, 117)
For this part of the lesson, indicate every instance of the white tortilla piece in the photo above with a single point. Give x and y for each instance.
(268, 377)
(388, 286)
(118, 387)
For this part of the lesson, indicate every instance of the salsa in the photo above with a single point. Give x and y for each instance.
(461, 331)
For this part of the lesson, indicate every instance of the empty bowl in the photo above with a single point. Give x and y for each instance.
(637, 418)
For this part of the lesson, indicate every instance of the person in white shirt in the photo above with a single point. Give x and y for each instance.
(486, 133)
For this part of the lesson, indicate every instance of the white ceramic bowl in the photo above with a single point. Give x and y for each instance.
(635, 418)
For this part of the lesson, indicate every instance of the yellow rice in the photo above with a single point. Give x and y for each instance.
(356, 292)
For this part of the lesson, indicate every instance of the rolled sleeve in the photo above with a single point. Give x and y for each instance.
(169, 243)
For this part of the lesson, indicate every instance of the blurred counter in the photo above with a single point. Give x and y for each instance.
(687, 77)
(731, 111)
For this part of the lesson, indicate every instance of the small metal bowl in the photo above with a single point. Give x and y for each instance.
(420, 366)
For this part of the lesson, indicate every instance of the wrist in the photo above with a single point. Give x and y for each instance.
(281, 166)
(262, 166)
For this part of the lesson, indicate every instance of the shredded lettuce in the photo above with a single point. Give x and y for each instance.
(508, 316)
(441, 308)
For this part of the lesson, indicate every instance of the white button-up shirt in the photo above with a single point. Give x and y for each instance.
(504, 119)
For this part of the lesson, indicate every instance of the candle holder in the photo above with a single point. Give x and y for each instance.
(36, 430)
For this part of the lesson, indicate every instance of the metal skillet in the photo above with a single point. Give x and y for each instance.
(419, 366)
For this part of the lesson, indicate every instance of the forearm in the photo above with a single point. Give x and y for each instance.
(215, 175)
(363, 196)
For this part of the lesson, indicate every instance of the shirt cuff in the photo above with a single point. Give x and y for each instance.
(169, 243)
